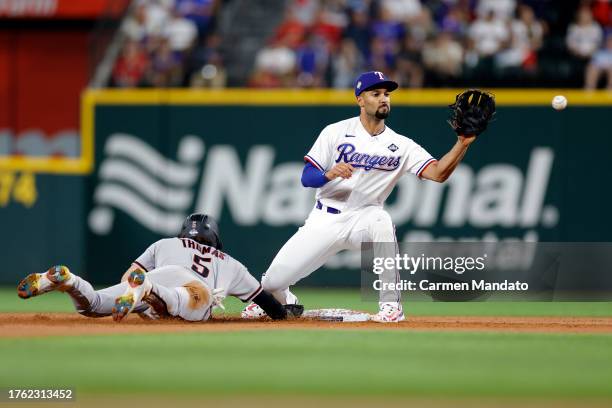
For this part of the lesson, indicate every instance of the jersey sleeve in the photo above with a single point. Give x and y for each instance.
(244, 286)
(320, 154)
(147, 260)
(418, 160)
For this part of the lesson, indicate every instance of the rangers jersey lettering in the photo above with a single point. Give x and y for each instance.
(365, 161)
(379, 162)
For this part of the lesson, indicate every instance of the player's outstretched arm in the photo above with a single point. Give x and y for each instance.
(470, 116)
(443, 168)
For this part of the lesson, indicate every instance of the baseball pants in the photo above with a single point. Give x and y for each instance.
(168, 283)
(324, 235)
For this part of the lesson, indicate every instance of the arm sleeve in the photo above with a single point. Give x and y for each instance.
(270, 305)
(312, 176)
(418, 160)
(320, 154)
(147, 260)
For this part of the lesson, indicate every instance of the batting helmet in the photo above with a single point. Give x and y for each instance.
(201, 228)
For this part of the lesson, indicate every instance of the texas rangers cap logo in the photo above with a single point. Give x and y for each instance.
(392, 147)
(373, 79)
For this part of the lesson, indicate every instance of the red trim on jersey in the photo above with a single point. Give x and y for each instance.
(311, 161)
(257, 292)
(140, 265)
(426, 166)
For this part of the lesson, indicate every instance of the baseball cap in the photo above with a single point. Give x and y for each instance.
(373, 79)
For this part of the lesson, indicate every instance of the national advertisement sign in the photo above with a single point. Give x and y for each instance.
(160, 157)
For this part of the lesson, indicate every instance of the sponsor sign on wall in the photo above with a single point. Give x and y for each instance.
(160, 156)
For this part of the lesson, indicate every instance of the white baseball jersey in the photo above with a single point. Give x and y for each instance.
(217, 269)
(379, 162)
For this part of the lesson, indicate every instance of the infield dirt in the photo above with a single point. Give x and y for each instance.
(70, 324)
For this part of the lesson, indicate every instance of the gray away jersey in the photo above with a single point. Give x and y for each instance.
(215, 268)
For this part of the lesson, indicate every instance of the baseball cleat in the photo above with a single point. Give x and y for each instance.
(36, 284)
(138, 287)
(390, 312)
(252, 311)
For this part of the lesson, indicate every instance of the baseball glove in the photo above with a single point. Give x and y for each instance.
(472, 111)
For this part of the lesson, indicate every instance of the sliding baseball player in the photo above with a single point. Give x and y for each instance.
(182, 277)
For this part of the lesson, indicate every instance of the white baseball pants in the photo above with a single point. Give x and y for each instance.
(324, 235)
(168, 283)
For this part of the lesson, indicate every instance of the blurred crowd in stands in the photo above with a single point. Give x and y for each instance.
(429, 42)
(170, 43)
(327, 43)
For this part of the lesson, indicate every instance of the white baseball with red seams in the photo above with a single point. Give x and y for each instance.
(559, 102)
(349, 211)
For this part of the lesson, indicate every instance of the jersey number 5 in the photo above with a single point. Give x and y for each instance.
(199, 267)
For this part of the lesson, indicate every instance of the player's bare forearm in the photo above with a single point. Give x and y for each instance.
(343, 170)
(443, 168)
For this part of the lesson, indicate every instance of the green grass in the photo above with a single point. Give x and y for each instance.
(321, 362)
(366, 362)
(351, 299)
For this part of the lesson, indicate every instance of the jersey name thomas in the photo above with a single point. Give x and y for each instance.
(203, 249)
(215, 268)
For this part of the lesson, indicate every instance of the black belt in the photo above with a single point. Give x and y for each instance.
(330, 210)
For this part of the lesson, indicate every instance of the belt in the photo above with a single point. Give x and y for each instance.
(330, 210)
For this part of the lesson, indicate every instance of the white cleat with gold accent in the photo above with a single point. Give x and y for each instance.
(389, 312)
(57, 277)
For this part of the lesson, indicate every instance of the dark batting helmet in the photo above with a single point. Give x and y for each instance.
(203, 229)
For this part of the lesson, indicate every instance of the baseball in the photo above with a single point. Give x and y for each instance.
(559, 102)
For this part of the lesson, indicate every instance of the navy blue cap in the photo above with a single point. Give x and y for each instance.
(373, 80)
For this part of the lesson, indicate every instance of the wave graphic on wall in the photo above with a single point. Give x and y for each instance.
(139, 181)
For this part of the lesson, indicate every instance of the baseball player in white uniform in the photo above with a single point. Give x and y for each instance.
(354, 164)
(180, 277)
